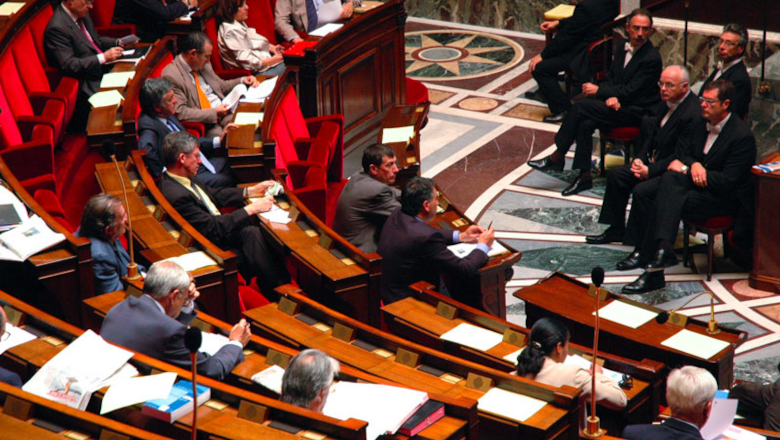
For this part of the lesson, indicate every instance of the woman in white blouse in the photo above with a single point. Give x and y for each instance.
(240, 46)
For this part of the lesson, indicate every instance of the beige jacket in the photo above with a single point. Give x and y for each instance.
(241, 47)
(608, 393)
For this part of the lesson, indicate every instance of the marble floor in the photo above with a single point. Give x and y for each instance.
(481, 134)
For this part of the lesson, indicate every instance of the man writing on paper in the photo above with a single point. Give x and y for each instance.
(104, 221)
(307, 379)
(6, 376)
(303, 16)
(155, 323)
(412, 250)
(199, 91)
(200, 206)
(689, 392)
(157, 120)
(368, 199)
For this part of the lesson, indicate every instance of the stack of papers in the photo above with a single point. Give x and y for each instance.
(398, 134)
(27, 239)
(16, 336)
(116, 80)
(626, 314)
(696, 344)
(131, 391)
(247, 118)
(473, 336)
(510, 405)
(10, 8)
(325, 30)
(277, 215)
(461, 250)
(106, 99)
(193, 261)
(259, 93)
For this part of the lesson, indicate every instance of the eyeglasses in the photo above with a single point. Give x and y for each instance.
(707, 100)
(728, 43)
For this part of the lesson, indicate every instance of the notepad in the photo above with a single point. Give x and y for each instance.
(696, 344)
(397, 134)
(193, 261)
(510, 405)
(106, 99)
(276, 215)
(325, 30)
(116, 79)
(248, 118)
(473, 336)
(10, 8)
(626, 314)
(461, 250)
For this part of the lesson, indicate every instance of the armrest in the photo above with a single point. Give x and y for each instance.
(115, 30)
(30, 159)
(297, 171)
(195, 128)
(227, 74)
(27, 123)
(39, 99)
(313, 197)
(302, 146)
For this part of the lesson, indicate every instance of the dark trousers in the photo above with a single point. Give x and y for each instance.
(620, 182)
(755, 399)
(257, 258)
(546, 75)
(583, 119)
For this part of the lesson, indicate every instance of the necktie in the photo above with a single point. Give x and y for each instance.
(205, 199)
(719, 72)
(89, 37)
(311, 15)
(203, 159)
(204, 101)
(172, 126)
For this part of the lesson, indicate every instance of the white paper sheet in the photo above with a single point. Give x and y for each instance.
(277, 215)
(212, 343)
(249, 118)
(510, 405)
(473, 336)
(232, 98)
(626, 314)
(136, 390)
(737, 433)
(696, 344)
(10, 8)
(193, 260)
(721, 417)
(512, 357)
(325, 30)
(188, 18)
(17, 336)
(116, 79)
(575, 359)
(259, 93)
(105, 99)
(270, 378)
(329, 12)
(397, 134)
(461, 250)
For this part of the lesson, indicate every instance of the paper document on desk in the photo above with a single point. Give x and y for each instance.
(116, 79)
(626, 314)
(461, 250)
(737, 433)
(325, 30)
(16, 336)
(27, 239)
(212, 343)
(511, 405)
(193, 261)
(188, 18)
(472, 336)
(136, 390)
(384, 407)
(270, 378)
(721, 417)
(696, 344)
(575, 359)
(398, 134)
(249, 118)
(232, 98)
(10, 8)
(106, 99)
(259, 93)
(512, 357)
(276, 215)
(329, 12)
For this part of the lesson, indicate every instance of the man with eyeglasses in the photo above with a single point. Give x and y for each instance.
(731, 68)
(711, 178)
(662, 139)
(6, 376)
(628, 93)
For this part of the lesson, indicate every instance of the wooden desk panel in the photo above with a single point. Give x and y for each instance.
(766, 235)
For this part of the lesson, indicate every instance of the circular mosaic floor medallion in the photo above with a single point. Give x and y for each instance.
(450, 55)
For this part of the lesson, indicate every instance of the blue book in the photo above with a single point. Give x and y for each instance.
(178, 403)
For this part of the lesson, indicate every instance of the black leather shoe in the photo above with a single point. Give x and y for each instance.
(631, 262)
(535, 96)
(556, 118)
(662, 260)
(546, 163)
(611, 234)
(647, 282)
(579, 185)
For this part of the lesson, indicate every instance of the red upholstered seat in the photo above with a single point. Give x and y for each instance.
(102, 12)
(616, 136)
(416, 92)
(623, 133)
(722, 222)
(157, 71)
(250, 296)
(712, 227)
(37, 25)
(49, 202)
(216, 61)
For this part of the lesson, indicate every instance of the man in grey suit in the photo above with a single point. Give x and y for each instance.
(155, 323)
(198, 90)
(368, 199)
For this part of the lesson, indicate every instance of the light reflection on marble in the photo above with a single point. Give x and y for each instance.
(577, 220)
(513, 211)
(572, 260)
(758, 370)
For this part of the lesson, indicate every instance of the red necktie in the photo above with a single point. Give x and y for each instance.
(86, 34)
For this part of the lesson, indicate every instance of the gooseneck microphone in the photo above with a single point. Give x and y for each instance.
(593, 428)
(192, 340)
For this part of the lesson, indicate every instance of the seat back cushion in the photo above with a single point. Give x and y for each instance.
(28, 62)
(13, 88)
(211, 32)
(37, 25)
(102, 12)
(261, 17)
(9, 132)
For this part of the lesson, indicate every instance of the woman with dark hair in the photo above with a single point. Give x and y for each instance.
(542, 361)
(240, 46)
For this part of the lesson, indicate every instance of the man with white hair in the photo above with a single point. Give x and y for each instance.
(689, 392)
(307, 379)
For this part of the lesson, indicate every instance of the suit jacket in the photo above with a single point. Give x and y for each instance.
(148, 16)
(109, 264)
(667, 143)
(152, 132)
(738, 75)
(214, 227)
(188, 106)
(138, 324)
(636, 84)
(363, 206)
(70, 51)
(11, 378)
(608, 392)
(414, 251)
(670, 429)
(289, 16)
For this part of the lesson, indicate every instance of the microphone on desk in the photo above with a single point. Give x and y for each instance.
(712, 325)
(593, 429)
(132, 267)
(193, 338)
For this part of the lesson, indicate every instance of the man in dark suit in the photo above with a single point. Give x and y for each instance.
(157, 120)
(7, 376)
(629, 92)
(73, 46)
(200, 206)
(731, 68)
(368, 199)
(414, 251)
(661, 139)
(150, 16)
(689, 392)
(155, 323)
(567, 51)
(706, 182)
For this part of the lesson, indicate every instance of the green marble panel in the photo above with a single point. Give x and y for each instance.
(572, 260)
(580, 220)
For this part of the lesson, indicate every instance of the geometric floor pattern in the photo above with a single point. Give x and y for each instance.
(481, 134)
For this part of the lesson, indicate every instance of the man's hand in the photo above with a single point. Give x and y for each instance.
(228, 128)
(699, 175)
(639, 169)
(241, 332)
(676, 166)
(259, 189)
(259, 206)
(112, 54)
(613, 103)
(534, 61)
(297, 40)
(222, 110)
(487, 237)
(471, 233)
(250, 80)
(346, 10)
(589, 89)
(548, 26)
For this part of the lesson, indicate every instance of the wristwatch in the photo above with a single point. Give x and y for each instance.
(684, 169)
